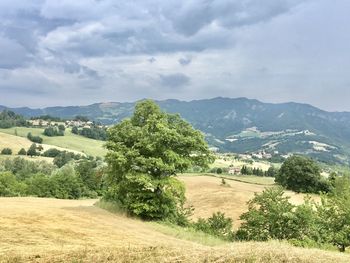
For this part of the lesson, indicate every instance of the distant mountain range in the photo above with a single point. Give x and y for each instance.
(240, 125)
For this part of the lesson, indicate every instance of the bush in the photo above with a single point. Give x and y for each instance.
(68, 186)
(219, 171)
(41, 185)
(9, 186)
(35, 139)
(63, 158)
(32, 150)
(6, 151)
(52, 152)
(217, 225)
(22, 152)
(54, 131)
(270, 216)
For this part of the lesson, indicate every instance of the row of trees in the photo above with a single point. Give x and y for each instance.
(271, 172)
(19, 177)
(9, 119)
(94, 132)
(54, 131)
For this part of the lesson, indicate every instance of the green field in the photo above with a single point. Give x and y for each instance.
(69, 141)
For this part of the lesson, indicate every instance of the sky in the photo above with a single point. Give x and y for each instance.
(86, 51)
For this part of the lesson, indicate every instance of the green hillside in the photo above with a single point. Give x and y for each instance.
(69, 141)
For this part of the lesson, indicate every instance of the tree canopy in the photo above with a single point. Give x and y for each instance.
(301, 174)
(144, 152)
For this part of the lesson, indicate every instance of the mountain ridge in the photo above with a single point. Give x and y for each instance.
(239, 124)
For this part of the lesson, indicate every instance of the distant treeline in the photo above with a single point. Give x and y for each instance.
(20, 177)
(9, 119)
(94, 132)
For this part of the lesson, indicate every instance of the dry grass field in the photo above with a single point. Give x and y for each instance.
(52, 230)
(207, 195)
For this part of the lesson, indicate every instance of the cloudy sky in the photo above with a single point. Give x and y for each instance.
(64, 52)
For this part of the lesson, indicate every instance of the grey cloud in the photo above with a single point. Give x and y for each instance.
(176, 80)
(185, 61)
(12, 55)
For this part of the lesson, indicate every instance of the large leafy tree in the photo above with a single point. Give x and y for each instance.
(301, 174)
(144, 154)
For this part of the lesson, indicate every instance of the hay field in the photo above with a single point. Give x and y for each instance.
(51, 230)
(207, 195)
(225, 163)
(69, 141)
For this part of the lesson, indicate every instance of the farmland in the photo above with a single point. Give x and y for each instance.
(69, 141)
(52, 230)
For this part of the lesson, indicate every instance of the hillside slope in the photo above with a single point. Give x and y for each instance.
(241, 125)
(70, 142)
(49, 230)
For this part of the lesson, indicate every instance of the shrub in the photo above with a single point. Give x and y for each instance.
(68, 186)
(270, 216)
(52, 152)
(63, 158)
(22, 152)
(6, 151)
(35, 139)
(9, 186)
(32, 150)
(41, 185)
(54, 131)
(217, 225)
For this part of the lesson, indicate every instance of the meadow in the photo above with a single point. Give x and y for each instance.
(69, 141)
(53, 230)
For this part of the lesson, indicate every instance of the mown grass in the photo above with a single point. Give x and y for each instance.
(69, 140)
(185, 233)
(251, 179)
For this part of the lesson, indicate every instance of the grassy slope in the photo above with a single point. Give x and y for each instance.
(207, 195)
(69, 141)
(51, 230)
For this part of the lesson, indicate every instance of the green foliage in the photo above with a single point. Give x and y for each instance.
(52, 152)
(10, 119)
(144, 152)
(270, 216)
(24, 169)
(94, 133)
(68, 185)
(301, 174)
(90, 174)
(22, 151)
(22, 177)
(9, 186)
(334, 215)
(41, 185)
(35, 139)
(6, 151)
(63, 158)
(54, 131)
(219, 170)
(216, 225)
(75, 130)
(32, 150)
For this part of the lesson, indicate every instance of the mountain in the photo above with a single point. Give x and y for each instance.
(240, 125)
